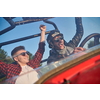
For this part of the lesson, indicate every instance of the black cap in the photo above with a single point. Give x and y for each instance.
(50, 37)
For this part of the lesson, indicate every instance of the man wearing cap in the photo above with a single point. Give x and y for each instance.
(60, 48)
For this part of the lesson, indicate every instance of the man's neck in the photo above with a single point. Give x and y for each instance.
(22, 64)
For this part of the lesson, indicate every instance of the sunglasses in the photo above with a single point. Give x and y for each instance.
(23, 54)
(58, 39)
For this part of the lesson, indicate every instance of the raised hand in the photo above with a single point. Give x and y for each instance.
(78, 49)
(42, 27)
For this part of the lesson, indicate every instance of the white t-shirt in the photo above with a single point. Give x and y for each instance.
(27, 76)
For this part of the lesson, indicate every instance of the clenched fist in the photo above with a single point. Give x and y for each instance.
(42, 27)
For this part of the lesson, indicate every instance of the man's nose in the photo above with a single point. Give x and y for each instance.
(60, 40)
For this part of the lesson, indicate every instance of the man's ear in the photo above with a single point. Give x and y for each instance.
(15, 59)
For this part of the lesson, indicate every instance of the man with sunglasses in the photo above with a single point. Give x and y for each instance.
(23, 65)
(60, 48)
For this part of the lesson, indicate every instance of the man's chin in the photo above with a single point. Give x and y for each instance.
(27, 61)
(61, 47)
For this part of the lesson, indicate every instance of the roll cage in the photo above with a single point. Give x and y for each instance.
(27, 20)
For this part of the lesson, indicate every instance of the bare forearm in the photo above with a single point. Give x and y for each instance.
(42, 38)
(43, 30)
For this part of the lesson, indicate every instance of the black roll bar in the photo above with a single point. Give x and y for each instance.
(21, 39)
(49, 22)
(96, 39)
(25, 21)
(12, 25)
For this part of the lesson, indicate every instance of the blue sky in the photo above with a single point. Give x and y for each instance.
(66, 25)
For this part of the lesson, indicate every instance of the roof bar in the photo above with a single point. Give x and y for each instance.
(23, 38)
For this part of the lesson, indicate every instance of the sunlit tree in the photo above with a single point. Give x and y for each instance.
(91, 44)
(4, 57)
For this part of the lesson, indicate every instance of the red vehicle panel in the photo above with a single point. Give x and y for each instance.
(87, 72)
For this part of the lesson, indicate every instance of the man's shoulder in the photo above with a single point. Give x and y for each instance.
(1, 62)
(8, 66)
(52, 56)
(52, 52)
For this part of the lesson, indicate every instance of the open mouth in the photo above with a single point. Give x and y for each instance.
(60, 44)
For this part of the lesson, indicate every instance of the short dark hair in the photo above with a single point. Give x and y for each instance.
(17, 49)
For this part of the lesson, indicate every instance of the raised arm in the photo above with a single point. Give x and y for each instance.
(35, 62)
(43, 30)
(79, 33)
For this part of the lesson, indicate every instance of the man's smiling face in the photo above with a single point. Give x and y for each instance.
(22, 57)
(58, 42)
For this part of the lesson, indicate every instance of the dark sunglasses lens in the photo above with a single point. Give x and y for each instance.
(57, 40)
(24, 53)
(27, 53)
(61, 38)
